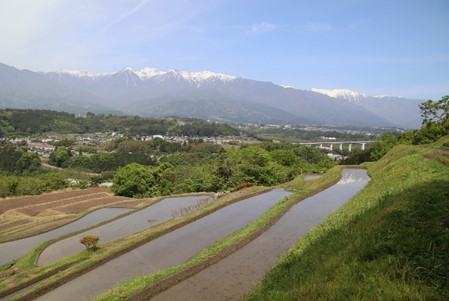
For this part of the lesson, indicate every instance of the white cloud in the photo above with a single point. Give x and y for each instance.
(262, 27)
(315, 27)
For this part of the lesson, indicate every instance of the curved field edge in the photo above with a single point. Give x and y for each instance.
(47, 227)
(24, 273)
(146, 286)
(390, 242)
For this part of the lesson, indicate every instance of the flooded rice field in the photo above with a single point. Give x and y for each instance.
(171, 249)
(119, 228)
(234, 276)
(15, 249)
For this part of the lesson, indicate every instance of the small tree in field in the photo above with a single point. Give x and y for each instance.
(90, 241)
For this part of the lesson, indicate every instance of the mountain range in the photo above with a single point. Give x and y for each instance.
(205, 95)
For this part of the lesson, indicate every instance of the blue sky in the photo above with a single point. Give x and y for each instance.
(394, 47)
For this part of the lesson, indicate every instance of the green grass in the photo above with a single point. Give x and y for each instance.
(390, 242)
(302, 188)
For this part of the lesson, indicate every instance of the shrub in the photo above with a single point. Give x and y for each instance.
(90, 241)
(245, 185)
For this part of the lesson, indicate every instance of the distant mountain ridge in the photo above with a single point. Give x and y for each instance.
(402, 111)
(205, 94)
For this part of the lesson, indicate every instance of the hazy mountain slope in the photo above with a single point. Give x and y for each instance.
(215, 107)
(205, 94)
(154, 93)
(399, 111)
(27, 89)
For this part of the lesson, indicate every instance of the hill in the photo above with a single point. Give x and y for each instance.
(206, 95)
(389, 242)
(16, 123)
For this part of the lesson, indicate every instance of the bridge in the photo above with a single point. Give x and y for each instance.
(329, 145)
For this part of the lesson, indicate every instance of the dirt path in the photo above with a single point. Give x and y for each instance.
(171, 249)
(234, 276)
(122, 227)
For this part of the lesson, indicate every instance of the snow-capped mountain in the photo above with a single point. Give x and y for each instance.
(342, 93)
(401, 111)
(205, 94)
(144, 74)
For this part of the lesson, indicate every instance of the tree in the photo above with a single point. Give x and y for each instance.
(435, 111)
(65, 142)
(134, 180)
(59, 157)
(102, 161)
(28, 164)
(90, 241)
(310, 154)
(435, 120)
(382, 145)
(284, 157)
(9, 155)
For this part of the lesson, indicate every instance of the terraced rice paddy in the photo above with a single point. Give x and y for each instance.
(234, 276)
(127, 225)
(168, 250)
(26, 216)
(15, 249)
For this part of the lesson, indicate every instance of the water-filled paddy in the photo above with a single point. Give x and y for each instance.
(171, 249)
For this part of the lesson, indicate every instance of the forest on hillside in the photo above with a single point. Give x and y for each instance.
(21, 123)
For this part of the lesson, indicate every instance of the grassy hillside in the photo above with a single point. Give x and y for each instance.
(390, 242)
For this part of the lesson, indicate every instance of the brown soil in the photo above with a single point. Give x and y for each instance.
(79, 207)
(35, 214)
(34, 210)
(126, 204)
(13, 224)
(35, 229)
(18, 202)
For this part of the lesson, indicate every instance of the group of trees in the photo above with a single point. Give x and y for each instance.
(299, 134)
(16, 122)
(21, 173)
(16, 161)
(96, 162)
(45, 181)
(120, 152)
(217, 169)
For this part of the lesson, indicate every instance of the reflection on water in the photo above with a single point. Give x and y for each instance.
(168, 250)
(352, 176)
(127, 225)
(234, 276)
(17, 248)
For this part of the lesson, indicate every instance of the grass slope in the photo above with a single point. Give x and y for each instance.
(390, 242)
